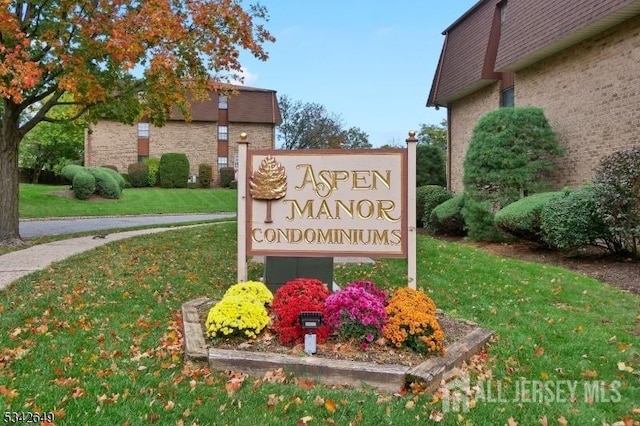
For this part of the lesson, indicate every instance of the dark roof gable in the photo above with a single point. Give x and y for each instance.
(531, 31)
(246, 105)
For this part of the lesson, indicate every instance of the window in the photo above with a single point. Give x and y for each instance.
(223, 102)
(222, 162)
(143, 130)
(223, 133)
(507, 97)
(503, 11)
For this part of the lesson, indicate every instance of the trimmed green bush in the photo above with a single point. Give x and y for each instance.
(154, 165)
(174, 170)
(233, 184)
(105, 183)
(227, 174)
(204, 175)
(116, 176)
(138, 175)
(430, 168)
(571, 220)
(429, 197)
(127, 182)
(522, 218)
(84, 185)
(617, 183)
(70, 171)
(510, 156)
(447, 217)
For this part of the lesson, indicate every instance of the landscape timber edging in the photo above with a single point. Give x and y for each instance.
(387, 377)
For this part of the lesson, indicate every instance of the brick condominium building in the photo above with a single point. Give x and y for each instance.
(579, 60)
(210, 137)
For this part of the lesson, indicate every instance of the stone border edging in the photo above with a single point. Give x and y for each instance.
(327, 371)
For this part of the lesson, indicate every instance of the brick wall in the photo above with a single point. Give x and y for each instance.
(590, 93)
(110, 143)
(117, 144)
(464, 115)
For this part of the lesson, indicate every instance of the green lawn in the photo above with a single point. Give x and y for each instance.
(39, 201)
(96, 340)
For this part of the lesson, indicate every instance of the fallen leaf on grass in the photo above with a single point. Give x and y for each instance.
(511, 422)
(304, 420)
(236, 379)
(275, 376)
(589, 374)
(9, 393)
(562, 421)
(318, 401)
(539, 351)
(77, 392)
(273, 401)
(624, 367)
(436, 416)
(543, 421)
(330, 406)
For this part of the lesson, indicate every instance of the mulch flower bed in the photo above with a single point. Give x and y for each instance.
(359, 322)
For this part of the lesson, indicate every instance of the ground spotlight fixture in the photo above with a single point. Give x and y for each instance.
(310, 321)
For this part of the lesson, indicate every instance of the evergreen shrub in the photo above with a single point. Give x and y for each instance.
(429, 197)
(204, 175)
(138, 175)
(84, 185)
(227, 174)
(522, 218)
(572, 220)
(115, 175)
(174, 170)
(69, 171)
(447, 218)
(617, 183)
(510, 156)
(106, 185)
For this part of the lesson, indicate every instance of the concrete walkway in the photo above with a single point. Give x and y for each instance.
(19, 263)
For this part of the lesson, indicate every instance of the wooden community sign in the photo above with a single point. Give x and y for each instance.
(326, 203)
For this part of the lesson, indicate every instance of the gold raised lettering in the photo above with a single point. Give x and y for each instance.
(384, 207)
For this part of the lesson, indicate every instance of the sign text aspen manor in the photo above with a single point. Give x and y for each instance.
(327, 203)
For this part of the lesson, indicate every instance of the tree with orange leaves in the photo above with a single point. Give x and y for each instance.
(87, 50)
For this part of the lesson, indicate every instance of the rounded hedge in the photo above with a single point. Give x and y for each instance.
(571, 220)
(429, 197)
(105, 183)
(522, 218)
(115, 175)
(84, 185)
(174, 170)
(70, 171)
(138, 175)
(447, 218)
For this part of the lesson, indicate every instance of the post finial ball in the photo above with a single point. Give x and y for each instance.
(243, 136)
(412, 134)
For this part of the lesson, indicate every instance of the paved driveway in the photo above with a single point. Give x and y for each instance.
(41, 228)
